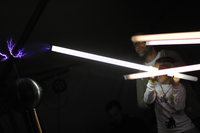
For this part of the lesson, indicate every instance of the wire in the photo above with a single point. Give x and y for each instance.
(7, 124)
(58, 112)
(15, 68)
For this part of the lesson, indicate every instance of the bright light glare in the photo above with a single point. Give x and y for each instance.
(169, 72)
(167, 36)
(102, 58)
(174, 42)
(152, 71)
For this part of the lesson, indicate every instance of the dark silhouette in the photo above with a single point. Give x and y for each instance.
(123, 123)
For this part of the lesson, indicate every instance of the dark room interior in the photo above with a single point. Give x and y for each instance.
(94, 26)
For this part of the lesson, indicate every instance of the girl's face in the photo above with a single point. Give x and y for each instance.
(163, 79)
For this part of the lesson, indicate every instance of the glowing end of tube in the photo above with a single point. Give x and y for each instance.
(101, 58)
(170, 72)
(167, 36)
(174, 42)
(184, 76)
(181, 76)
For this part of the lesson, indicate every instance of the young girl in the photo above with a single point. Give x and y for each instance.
(168, 96)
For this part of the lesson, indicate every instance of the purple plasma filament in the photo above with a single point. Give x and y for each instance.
(5, 57)
(48, 47)
(10, 48)
(27, 52)
(34, 50)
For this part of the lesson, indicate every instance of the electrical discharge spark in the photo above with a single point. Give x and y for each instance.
(5, 56)
(28, 51)
(10, 48)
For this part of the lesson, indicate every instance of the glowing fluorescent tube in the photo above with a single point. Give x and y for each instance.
(170, 71)
(107, 60)
(167, 36)
(101, 58)
(184, 76)
(174, 42)
(181, 76)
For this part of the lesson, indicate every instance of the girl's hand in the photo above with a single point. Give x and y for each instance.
(154, 78)
(175, 81)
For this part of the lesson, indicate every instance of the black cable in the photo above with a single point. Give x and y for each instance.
(7, 124)
(58, 112)
(15, 68)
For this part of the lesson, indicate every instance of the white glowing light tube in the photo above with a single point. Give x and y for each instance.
(174, 42)
(167, 36)
(169, 72)
(101, 58)
(181, 76)
(114, 62)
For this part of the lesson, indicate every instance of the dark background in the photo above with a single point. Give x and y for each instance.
(94, 26)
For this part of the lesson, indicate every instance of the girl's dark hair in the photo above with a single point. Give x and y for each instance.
(165, 59)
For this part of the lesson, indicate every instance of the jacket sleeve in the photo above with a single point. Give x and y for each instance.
(141, 85)
(175, 55)
(150, 93)
(179, 94)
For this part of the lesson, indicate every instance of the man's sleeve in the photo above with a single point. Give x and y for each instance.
(175, 55)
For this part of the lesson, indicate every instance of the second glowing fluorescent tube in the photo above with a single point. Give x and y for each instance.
(114, 61)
